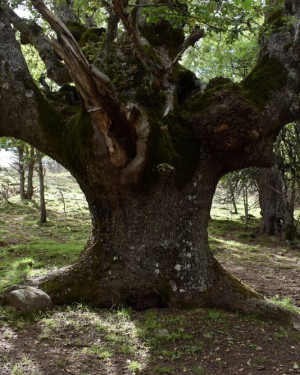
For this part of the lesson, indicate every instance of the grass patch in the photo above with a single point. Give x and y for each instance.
(285, 302)
(28, 249)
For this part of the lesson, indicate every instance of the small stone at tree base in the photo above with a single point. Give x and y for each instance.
(29, 299)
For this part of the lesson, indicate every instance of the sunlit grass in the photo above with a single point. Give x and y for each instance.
(28, 249)
(285, 302)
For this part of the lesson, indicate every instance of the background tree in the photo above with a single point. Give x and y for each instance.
(278, 186)
(41, 171)
(27, 157)
(147, 154)
(31, 162)
(24, 164)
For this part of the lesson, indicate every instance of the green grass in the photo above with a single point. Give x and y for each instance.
(28, 249)
(163, 370)
(285, 302)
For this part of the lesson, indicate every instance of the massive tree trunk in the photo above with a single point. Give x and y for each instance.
(148, 157)
(151, 250)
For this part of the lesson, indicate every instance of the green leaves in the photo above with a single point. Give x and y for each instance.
(246, 4)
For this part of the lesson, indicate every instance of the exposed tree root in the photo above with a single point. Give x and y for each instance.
(77, 283)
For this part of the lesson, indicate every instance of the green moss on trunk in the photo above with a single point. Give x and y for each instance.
(268, 75)
(171, 144)
(163, 33)
(69, 137)
(277, 18)
(91, 35)
(76, 29)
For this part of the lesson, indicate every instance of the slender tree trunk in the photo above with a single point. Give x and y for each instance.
(232, 196)
(246, 205)
(235, 210)
(21, 171)
(43, 212)
(31, 162)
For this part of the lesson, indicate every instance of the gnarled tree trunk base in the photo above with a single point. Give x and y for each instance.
(76, 283)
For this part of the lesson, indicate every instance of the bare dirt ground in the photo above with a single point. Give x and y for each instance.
(282, 281)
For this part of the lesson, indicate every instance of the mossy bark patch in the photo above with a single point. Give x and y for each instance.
(163, 34)
(277, 18)
(268, 75)
(91, 35)
(172, 143)
(76, 29)
(186, 83)
(71, 138)
(213, 95)
(79, 135)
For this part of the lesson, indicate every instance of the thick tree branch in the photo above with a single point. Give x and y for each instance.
(32, 33)
(64, 9)
(239, 123)
(78, 65)
(97, 90)
(20, 100)
(193, 38)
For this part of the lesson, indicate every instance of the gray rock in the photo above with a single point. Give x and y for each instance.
(29, 299)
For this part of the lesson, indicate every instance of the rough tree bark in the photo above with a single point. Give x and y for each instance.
(148, 156)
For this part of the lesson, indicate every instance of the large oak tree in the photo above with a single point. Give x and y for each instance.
(145, 142)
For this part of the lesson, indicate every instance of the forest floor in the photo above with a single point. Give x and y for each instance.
(81, 340)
